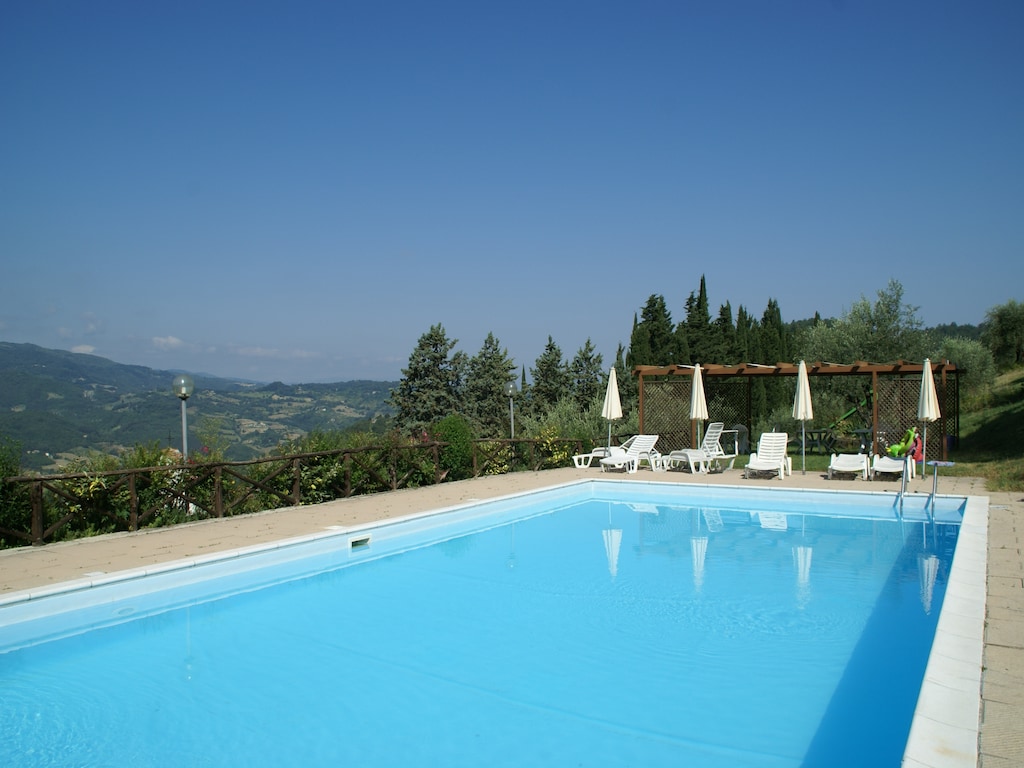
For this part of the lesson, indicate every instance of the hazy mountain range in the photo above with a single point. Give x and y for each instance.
(59, 404)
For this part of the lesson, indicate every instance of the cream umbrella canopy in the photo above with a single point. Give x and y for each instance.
(699, 552)
(612, 408)
(802, 561)
(612, 543)
(698, 400)
(802, 409)
(927, 406)
(927, 570)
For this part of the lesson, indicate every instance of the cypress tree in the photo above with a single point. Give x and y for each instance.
(627, 381)
(775, 349)
(657, 321)
(639, 346)
(724, 338)
(698, 327)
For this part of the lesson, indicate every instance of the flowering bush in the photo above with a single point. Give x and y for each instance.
(555, 451)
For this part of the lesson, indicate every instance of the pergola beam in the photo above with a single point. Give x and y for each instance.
(859, 368)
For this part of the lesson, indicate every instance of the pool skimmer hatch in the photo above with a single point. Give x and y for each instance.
(359, 543)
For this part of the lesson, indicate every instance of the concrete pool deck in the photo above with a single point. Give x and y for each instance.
(1002, 705)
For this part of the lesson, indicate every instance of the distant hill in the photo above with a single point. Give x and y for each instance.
(60, 404)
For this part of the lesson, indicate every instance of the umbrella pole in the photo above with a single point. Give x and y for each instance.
(803, 446)
(924, 454)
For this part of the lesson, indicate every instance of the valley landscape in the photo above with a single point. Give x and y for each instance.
(59, 405)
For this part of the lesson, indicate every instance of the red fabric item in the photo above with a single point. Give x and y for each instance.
(917, 449)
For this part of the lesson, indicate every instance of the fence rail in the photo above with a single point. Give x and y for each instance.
(40, 509)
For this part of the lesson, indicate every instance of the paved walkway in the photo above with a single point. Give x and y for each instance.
(1002, 704)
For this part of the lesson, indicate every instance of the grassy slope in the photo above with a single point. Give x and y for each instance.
(992, 439)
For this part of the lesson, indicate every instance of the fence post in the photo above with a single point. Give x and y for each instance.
(296, 482)
(133, 501)
(347, 464)
(36, 497)
(393, 466)
(218, 491)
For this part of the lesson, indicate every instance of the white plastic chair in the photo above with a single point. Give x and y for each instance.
(771, 455)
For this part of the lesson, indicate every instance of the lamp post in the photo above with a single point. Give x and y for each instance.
(510, 390)
(183, 386)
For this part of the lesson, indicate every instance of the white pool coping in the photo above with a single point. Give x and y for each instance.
(947, 720)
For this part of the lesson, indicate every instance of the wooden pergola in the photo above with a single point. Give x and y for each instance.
(947, 386)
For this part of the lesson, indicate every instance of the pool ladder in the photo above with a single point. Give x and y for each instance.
(929, 504)
(903, 488)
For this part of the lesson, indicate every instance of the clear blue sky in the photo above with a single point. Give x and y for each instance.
(298, 191)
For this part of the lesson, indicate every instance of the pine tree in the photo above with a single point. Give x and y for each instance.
(585, 375)
(431, 387)
(550, 378)
(486, 402)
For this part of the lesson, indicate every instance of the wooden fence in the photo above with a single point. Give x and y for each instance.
(40, 509)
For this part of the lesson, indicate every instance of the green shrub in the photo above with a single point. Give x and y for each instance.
(456, 457)
(15, 507)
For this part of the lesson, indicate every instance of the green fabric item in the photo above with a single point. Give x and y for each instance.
(903, 448)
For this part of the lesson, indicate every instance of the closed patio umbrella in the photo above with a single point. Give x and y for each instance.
(927, 406)
(802, 409)
(698, 401)
(612, 409)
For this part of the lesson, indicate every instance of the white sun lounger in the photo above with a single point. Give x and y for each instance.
(849, 463)
(632, 452)
(583, 460)
(887, 465)
(710, 451)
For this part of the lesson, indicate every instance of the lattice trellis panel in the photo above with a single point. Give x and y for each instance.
(897, 400)
(667, 408)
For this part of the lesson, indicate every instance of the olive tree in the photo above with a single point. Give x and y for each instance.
(1004, 334)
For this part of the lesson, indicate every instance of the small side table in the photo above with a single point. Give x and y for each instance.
(935, 473)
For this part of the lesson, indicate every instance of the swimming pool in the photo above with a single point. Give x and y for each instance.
(597, 623)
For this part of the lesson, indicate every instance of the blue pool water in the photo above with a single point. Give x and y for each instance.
(628, 625)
